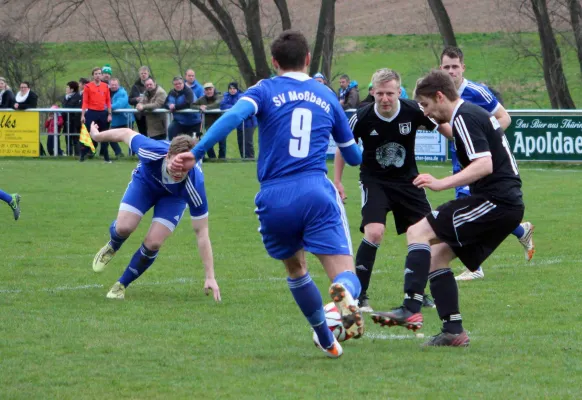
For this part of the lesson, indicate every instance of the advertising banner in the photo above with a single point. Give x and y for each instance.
(19, 134)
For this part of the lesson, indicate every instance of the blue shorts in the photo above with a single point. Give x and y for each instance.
(302, 212)
(139, 197)
(460, 191)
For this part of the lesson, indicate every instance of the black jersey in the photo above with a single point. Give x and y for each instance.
(478, 134)
(389, 142)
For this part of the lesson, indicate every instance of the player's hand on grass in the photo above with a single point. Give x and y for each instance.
(429, 181)
(210, 284)
(342, 192)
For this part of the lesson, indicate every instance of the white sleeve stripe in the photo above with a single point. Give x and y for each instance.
(464, 133)
(479, 155)
(346, 144)
(353, 121)
(482, 91)
(496, 108)
(194, 196)
(254, 103)
(149, 155)
(131, 139)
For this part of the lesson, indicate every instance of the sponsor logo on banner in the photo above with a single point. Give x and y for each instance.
(546, 138)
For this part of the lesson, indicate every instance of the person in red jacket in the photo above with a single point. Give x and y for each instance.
(50, 127)
(96, 108)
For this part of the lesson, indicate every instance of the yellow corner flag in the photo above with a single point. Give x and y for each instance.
(86, 138)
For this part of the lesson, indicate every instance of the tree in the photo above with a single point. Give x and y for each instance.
(443, 22)
(324, 39)
(221, 18)
(552, 60)
(30, 61)
(575, 16)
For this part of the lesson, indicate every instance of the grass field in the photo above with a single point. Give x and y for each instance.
(493, 58)
(60, 338)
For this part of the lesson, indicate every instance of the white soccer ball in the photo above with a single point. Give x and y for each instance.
(334, 321)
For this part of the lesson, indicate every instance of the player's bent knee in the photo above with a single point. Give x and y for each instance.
(421, 232)
(374, 233)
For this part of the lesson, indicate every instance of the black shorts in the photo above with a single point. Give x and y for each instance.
(474, 226)
(407, 202)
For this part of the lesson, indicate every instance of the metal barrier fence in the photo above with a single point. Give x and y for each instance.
(534, 135)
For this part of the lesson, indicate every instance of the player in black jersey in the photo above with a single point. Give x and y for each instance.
(387, 129)
(469, 228)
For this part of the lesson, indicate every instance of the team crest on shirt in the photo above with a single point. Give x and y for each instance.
(405, 128)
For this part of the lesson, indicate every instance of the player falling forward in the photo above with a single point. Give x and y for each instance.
(452, 61)
(298, 207)
(13, 201)
(387, 129)
(469, 228)
(153, 185)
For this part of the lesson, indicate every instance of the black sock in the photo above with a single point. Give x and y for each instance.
(365, 258)
(446, 298)
(416, 275)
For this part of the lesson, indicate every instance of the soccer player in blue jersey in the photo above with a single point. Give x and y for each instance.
(298, 207)
(154, 186)
(452, 61)
(13, 200)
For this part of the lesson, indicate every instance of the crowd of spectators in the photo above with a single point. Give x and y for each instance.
(99, 97)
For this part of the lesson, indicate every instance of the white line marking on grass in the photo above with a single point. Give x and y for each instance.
(381, 336)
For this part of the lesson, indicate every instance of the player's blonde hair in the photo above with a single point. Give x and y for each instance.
(181, 144)
(415, 86)
(385, 75)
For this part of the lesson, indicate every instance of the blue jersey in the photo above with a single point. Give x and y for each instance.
(480, 95)
(152, 174)
(296, 115)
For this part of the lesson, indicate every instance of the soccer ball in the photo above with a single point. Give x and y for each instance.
(334, 321)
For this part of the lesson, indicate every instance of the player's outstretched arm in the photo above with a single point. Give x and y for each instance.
(446, 130)
(200, 227)
(223, 126)
(338, 171)
(112, 135)
(503, 117)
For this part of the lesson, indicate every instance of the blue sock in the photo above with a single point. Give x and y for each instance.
(351, 282)
(116, 241)
(519, 231)
(309, 300)
(5, 197)
(140, 262)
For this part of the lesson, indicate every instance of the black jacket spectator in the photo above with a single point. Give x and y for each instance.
(31, 101)
(7, 99)
(73, 121)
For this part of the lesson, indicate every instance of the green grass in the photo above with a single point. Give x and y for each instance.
(60, 338)
(489, 57)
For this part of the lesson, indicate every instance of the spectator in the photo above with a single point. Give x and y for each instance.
(119, 101)
(181, 98)
(50, 127)
(197, 92)
(319, 77)
(244, 132)
(82, 83)
(6, 96)
(210, 101)
(136, 95)
(348, 93)
(72, 99)
(25, 98)
(369, 98)
(96, 108)
(106, 74)
(154, 97)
